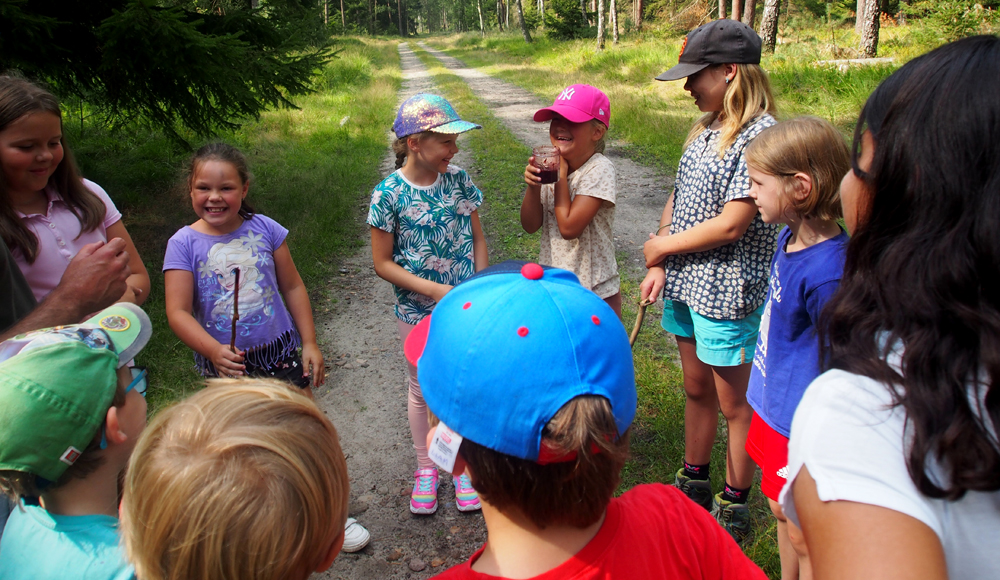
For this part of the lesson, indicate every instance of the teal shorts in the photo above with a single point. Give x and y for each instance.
(720, 343)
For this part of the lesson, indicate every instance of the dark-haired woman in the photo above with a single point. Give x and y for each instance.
(894, 464)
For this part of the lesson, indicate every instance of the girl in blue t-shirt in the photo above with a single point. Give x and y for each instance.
(795, 169)
(203, 290)
(426, 238)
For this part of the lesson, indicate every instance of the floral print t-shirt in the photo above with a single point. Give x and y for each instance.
(265, 328)
(433, 232)
(728, 282)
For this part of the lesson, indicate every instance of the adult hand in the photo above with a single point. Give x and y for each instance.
(652, 285)
(228, 363)
(95, 277)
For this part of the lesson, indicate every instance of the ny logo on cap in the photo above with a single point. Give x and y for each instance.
(566, 95)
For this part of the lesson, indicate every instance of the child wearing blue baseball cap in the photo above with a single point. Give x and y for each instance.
(70, 414)
(530, 377)
(426, 237)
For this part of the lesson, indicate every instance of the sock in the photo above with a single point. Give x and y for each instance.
(699, 472)
(735, 495)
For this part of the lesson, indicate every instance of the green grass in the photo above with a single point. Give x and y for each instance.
(312, 167)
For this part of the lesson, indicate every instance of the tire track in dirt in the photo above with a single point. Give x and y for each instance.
(365, 397)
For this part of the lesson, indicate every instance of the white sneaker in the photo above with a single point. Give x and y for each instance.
(356, 536)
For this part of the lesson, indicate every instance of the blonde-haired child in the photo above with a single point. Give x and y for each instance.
(709, 259)
(244, 479)
(795, 170)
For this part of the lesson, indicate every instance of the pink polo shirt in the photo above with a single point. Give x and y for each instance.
(59, 239)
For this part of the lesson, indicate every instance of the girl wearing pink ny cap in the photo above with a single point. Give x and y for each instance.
(577, 213)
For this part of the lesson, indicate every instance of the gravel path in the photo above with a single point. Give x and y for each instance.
(365, 394)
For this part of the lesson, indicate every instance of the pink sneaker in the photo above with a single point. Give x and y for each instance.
(466, 498)
(423, 499)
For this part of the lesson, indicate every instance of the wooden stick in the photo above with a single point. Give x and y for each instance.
(236, 311)
(638, 322)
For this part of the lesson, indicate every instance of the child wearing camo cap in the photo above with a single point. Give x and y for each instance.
(530, 376)
(70, 414)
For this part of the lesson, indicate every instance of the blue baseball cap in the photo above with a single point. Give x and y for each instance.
(506, 349)
(425, 112)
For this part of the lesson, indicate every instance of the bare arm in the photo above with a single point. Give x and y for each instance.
(297, 299)
(94, 279)
(531, 205)
(393, 273)
(178, 286)
(138, 282)
(725, 228)
(849, 540)
(480, 253)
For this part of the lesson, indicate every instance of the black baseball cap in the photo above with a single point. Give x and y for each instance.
(721, 41)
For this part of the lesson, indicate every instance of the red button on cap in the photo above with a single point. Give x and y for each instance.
(532, 271)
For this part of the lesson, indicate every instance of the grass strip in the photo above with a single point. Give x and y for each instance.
(313, 168)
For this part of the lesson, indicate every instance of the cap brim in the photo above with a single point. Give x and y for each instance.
(680, 71)
(413, 348)
(455, 127)
(127, 325)
(569, 113)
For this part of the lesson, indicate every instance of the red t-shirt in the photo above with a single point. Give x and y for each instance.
(651, 531)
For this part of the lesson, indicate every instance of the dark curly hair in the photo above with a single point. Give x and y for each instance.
(921, 267)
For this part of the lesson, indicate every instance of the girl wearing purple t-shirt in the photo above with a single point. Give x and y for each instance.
(795, 169)
(230, 245)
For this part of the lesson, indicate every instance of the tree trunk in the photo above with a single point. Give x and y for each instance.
(600, 24)
(499, 16)
(524, 25)
(583, 10)
(479, 7)
(343, 21)
(749, 12)
(737, 9)
(326, 12)
(614, 21)
(399, 13)
(637, 14)
(859, 17)
(869, 34)
(722, 9)
(769, 24)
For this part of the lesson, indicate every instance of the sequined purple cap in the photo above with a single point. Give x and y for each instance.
(425, 112)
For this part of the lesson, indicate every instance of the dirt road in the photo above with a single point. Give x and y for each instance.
(365, 393)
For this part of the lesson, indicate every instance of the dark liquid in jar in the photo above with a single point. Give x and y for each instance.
(549, 175)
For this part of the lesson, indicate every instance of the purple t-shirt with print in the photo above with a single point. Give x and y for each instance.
(265, 328)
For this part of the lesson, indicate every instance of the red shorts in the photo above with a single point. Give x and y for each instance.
(769, 450)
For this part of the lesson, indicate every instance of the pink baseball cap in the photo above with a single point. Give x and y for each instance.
(579, 103)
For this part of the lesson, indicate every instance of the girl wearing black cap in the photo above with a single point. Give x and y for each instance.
(710, 258)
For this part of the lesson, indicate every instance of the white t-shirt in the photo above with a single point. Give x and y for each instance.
(849, 434)
(592, 255)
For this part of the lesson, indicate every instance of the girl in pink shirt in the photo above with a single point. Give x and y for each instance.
(48, 212)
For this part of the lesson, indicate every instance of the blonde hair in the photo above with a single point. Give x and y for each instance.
(807, 145)
(747, 96)
(402, 149)
(244, 479)
(599, 145)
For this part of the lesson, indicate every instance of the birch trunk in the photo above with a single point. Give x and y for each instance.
(479, 7)
(524, 25)
(614, 21)
(769, 24)
(600, 24)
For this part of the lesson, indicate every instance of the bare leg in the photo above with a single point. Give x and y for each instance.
(798, 542)
(615, 302)
(789, 559)
(731, 389)
(701, 405)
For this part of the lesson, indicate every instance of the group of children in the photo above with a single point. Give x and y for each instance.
(246, 478)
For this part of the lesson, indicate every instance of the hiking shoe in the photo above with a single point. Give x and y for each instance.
(466, 498)
(700, 491)
(734, 517)
(423, 499)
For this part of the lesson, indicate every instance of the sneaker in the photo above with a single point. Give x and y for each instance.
(355, 536)
(700, 491)
(734, 517)
(424, 499)
(466, 498)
